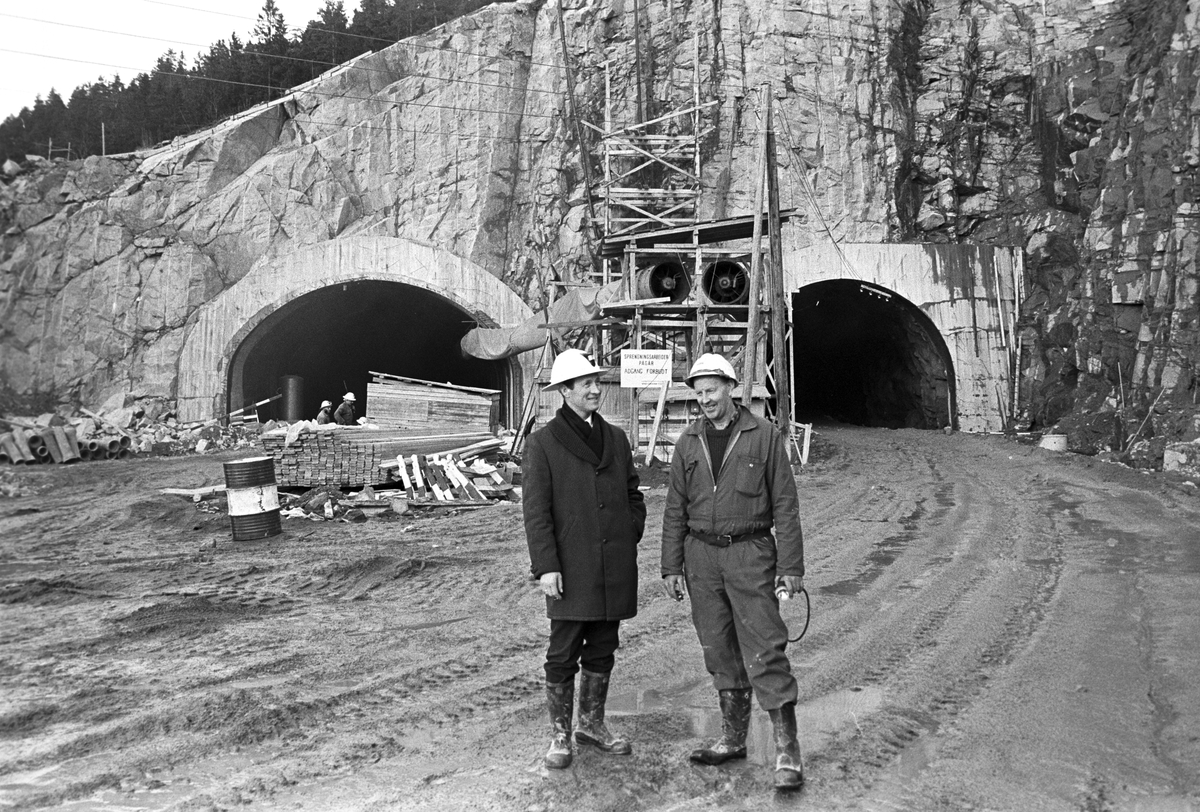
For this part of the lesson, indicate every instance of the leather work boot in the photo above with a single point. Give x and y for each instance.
(593, 692)
(735, 724)
(560, 701)
(789, 771)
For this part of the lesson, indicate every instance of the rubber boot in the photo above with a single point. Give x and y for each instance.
(593, 693)
(789, 771)
(735, 724)
(560, 701)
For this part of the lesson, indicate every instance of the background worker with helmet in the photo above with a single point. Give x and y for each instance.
(584, 517)
(323, 416)
(731, 483)
(344, 415)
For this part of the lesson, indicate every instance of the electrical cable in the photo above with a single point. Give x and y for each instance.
(807, 616)
(280, 57)
(288, 91)
(365, 36)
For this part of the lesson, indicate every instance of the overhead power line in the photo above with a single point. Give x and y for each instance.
(290, 91)
(281, 57)
(370, 38)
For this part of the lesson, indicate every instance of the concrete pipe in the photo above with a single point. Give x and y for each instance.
(84, 453)
(73, 439)
(112, 445)
(726, 282)
(4, 458)
(66, 451)
(51, 444)
(93, 446)
(35, 441)
(291, 406)
(21, 438)
(125, 440)
(8, 447)
(669, 278)
(111, 455)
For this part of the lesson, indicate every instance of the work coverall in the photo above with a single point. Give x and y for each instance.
(717, 534)
(344, 414)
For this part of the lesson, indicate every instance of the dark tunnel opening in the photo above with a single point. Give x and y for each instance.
(335, 336)
(866, 356)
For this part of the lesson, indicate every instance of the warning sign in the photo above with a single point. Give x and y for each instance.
(642, 368)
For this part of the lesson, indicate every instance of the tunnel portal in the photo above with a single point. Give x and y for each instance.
(333, 336)
(867, 356)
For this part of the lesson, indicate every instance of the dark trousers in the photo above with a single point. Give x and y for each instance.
(591, 643)
(736, 615)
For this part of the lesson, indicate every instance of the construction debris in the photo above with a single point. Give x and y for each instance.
(121, 427)
(460, 476)
(308, 454)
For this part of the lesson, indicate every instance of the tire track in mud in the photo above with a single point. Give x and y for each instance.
(935, 676)
(491, 680)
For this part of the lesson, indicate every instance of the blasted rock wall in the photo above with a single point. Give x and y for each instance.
(1070, 129)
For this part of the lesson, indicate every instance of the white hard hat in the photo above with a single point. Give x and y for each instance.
(325, 403)
(349, 396)
(569, 365)
(711, 364)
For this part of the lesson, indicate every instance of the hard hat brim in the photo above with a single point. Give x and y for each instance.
(553, 386)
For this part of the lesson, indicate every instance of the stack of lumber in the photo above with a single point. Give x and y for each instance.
(349, 456)
(394, 402)
(458, 476)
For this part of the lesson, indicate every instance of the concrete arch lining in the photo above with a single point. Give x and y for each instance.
(222, 324)
(970, 294)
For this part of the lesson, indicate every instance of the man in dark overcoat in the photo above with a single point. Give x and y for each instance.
(584, 517)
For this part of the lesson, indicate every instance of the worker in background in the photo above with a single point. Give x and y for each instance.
(584, 517)
(731, 482)
(323, 416)
(344, 415)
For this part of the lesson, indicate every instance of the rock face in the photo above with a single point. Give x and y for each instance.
(1069, 129)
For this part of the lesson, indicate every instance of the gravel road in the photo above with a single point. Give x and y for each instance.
(994, 627)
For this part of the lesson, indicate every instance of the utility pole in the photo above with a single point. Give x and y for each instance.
(754, 307)
(637, 60)
(103, 140)
(781, 360)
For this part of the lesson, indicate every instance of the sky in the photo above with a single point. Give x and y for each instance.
(53, 54)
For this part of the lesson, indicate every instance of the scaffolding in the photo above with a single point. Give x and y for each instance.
(685, 285)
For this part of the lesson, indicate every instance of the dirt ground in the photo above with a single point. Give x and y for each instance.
(994, 627)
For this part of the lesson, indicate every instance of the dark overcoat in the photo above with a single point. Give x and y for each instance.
(584, 517)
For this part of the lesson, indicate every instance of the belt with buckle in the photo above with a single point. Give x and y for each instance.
(725, 539)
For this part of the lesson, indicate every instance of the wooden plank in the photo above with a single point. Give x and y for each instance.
(658, 415)
(435, 383)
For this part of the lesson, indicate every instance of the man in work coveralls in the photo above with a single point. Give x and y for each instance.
(343, 415)
(323, 416)
(731, 482)
(584, 517)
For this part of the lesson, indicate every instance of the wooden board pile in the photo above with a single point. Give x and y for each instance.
(394, 402)
(347, 456)
(461, 476)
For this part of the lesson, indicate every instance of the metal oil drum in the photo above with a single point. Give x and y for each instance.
(253, 498)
